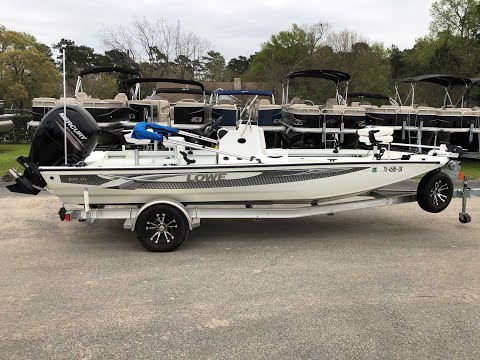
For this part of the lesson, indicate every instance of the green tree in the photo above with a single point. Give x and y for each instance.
(78, 57)
(285, 52)
(398, 65)
(102, 86)
(26, 71)
(457, 17)
(16, 95)
(114, 58)
(236, 67)
(184, 67)
(213, 66)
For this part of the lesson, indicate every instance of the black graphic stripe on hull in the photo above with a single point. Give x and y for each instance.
(132, 182)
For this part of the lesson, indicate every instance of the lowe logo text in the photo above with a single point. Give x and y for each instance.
(206, 177)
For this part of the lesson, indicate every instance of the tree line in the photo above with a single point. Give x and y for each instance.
(158, 48)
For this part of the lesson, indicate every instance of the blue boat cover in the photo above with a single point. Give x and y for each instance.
(140, 131)
(245, 92)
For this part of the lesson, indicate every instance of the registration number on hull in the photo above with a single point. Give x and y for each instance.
(393, 169)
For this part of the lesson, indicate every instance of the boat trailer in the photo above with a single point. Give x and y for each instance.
(189, 216)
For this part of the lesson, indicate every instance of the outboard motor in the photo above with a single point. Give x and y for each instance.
(48, 145)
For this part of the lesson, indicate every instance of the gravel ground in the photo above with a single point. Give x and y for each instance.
(385, 283)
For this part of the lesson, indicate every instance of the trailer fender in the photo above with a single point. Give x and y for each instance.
(170, 202)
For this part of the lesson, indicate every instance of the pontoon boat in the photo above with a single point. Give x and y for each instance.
(110, 114)
(187, 105)
(423, 123)
(307, 122)
(259, 108)
(6, 124)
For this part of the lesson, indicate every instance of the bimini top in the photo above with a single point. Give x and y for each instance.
(182, 91)
(333, 75)
(245, 92)
(166, 80)
(443, 80)
(361, 95)
(109, 69)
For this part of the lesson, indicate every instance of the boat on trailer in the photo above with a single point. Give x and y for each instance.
(157, 191)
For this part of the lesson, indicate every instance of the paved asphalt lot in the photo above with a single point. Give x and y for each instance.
(386, 283)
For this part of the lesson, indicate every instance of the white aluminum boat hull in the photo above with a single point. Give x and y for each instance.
(311, 179)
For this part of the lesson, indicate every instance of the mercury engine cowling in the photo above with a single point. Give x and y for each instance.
(48, 147)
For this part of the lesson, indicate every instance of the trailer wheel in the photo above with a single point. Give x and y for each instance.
(435, 191)
(464, 218)
(161, 228)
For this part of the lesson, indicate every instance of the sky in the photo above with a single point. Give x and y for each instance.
(234, 27)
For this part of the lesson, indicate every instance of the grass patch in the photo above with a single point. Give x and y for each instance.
(8, 154)
(471, 168)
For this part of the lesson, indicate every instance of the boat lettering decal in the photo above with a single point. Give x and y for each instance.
(360, 124)
(392, 169)
(72, 126)
(197, 119)
(206, 177)
(72, 139)
(75, 179)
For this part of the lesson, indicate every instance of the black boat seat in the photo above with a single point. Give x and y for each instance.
(269, 114)
(226, 113)
(188, 111)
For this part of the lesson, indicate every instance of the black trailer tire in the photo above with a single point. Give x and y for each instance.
(161, 228)
(435, 191)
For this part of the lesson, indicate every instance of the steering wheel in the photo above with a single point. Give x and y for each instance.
(212, 127)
